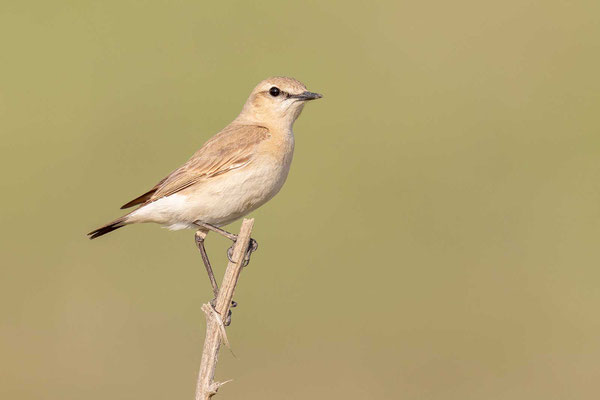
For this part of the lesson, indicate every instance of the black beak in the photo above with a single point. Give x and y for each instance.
(306, 96)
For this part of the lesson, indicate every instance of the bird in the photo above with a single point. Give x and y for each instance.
(236, 171)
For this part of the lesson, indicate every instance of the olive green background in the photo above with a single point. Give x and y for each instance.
(437, 237)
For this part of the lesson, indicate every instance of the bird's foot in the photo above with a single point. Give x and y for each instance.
(227, 321)
(252, 247)
(213, 303)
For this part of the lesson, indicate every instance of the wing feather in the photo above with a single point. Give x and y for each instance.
(230, 149)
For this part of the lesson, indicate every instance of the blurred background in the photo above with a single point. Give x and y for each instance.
(437, 237)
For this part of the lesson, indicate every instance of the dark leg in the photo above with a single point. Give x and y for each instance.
(200, 236)
(252, 247)
(222, 232)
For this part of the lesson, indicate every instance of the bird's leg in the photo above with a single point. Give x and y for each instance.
(222, 232)
(252, 247)
(200, 236)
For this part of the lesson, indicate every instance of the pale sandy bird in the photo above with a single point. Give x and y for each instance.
(235, 172)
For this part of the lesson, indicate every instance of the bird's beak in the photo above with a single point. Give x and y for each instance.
(306, 96)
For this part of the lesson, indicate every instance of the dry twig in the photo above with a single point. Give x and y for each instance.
(215, 328)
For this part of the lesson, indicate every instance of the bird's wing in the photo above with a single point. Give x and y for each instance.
(144, 197)
(231, 148)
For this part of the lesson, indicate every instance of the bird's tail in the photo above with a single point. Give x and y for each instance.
(116, 224)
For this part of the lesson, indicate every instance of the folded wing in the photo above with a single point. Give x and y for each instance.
(230, 149)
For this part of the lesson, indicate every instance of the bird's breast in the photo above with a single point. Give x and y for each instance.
(225, 198)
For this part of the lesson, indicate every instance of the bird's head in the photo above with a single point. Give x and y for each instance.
(276, 101)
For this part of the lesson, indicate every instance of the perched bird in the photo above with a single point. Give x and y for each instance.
(235, 172)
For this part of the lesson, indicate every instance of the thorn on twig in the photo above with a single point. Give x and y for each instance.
(219, 384)
(214, 387)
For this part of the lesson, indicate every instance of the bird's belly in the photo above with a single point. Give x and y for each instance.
(218, 200)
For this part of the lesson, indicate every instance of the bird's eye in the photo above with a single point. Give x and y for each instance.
(274, 91)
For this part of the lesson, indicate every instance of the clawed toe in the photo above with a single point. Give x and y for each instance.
(252, 247)
(230, 254)
(227, 321)
(213, 303)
